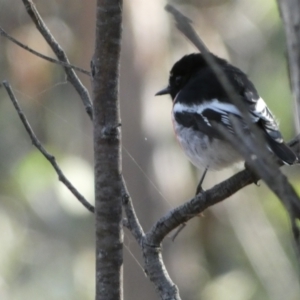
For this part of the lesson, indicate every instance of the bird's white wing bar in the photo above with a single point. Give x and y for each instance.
(224, 109)
(257, 112)
(213, 104)
(260, 111)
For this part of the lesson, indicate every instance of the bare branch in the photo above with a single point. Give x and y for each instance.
(151, 246)
(157, 272)
(45, 57)
(59, 52)
(132, 222)
(202, 201)
(152, 253)
(289, 10)
(47, 155)
(183, 24)
(197, 205)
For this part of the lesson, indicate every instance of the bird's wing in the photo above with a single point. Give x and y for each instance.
(262, 116)
(200, 117)
(258, 110)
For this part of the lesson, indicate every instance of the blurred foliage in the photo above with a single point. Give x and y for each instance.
(240, 249)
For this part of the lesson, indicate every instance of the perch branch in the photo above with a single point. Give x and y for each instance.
(202, 201)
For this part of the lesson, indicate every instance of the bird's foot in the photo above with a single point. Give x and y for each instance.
(255, 177)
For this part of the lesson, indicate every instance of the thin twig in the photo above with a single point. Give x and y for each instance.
(39, 146)
(183, 24)
(132, 221)
(61, 55)
(45, 57)
(289, 11)
(197, 205)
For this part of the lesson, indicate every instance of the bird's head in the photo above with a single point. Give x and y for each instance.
(183, 70)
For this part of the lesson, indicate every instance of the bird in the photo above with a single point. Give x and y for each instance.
(199, 101)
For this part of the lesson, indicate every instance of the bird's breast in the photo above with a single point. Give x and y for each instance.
(203, 151)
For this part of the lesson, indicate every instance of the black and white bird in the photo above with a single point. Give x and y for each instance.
(198, 99)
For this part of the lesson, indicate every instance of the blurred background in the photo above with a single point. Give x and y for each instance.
(240, 249)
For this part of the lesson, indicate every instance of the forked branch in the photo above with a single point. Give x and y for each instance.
(61, 55)
(46, 154)
(45, 57)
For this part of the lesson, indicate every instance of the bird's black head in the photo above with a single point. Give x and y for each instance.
(182, 71)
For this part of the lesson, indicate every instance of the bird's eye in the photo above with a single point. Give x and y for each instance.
(178, 80)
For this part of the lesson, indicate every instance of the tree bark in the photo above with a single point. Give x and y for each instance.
(107, 141)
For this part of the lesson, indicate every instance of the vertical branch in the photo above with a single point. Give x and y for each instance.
(290, 14)
(107, 139)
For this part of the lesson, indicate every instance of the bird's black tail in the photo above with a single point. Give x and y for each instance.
(283, 152)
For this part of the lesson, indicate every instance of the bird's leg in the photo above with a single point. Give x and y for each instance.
(198, 190)
(199, 186)
(255, 177)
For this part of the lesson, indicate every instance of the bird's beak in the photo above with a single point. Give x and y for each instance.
(164, 91)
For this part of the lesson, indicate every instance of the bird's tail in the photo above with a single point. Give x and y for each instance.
(284, 152)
